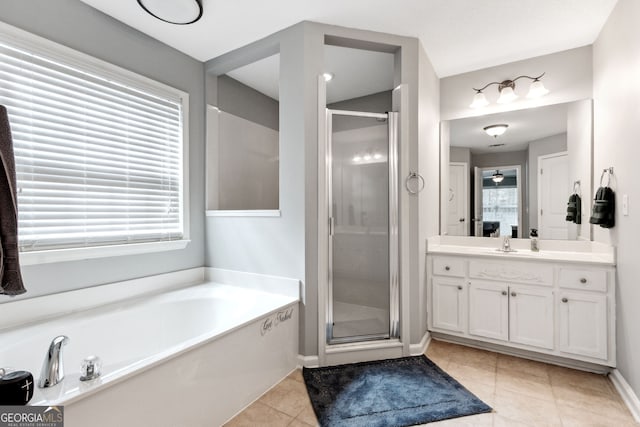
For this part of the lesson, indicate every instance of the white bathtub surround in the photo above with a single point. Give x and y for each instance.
(193, 356)
(273, 284)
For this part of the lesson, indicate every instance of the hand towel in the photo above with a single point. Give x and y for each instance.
(574, 209)
(10, 277)
(604, 208)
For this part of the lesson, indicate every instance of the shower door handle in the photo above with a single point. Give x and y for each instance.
(331, 226)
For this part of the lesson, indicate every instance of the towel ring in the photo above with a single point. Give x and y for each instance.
(417, 176)
(608, 171)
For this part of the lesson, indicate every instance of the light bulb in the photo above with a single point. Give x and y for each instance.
(377, 156)
(479, 100)
(495, 130)
(328, 76)
(537, 90)
(507, 95)
(367, 157)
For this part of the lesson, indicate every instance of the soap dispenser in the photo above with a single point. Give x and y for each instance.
(533, 236)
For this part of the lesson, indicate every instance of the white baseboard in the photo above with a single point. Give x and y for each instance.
(308, 361)
(421, 347)
(629, 397)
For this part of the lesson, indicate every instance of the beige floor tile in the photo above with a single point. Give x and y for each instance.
(509, 381)
(441, 361)
(474, 357)
(519, 364)
(289, 396)
(573, 417)
(462, 373)
(308, 416)
(587, 398)
(484, 392)
(297, 423)
(572, 377)
(527, 410)
(500, 421)
(260, 415)
(296, 375)
(473, 420)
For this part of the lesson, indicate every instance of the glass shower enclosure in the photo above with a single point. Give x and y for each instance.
(363, 226)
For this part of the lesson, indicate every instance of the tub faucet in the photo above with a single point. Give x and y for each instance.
(52, 367)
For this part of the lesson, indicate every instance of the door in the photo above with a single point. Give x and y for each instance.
(531, 316)
(553, 193)
(489, 310)
(363, 241)
(477, 201)
(583, 324)
(449, 304)
(458, 199)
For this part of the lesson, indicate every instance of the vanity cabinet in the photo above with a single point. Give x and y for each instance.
(556, 308)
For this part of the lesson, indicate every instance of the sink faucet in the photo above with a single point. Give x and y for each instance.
(506, 244)
(52, 367)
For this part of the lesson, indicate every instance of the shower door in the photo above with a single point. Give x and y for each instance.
(363, 231)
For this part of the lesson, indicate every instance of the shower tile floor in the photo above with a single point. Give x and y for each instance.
(521, 392)
(352, 320)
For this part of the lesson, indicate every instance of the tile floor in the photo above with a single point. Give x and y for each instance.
(521, 392)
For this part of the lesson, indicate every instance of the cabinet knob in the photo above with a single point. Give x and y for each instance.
(565, 300)
(459, 287)
(513, 294)
(447, 268)
(583, 280)
(504, 292)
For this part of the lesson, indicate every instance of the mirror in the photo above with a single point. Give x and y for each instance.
(519, 180)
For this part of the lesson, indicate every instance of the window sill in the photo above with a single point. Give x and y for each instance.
(76, 254)
(257, 212)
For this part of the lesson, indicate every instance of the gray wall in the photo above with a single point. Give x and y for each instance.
(460, 154)
(78, 26)
(380, 102)
(616, 88)
(537, 148)
(243, 101)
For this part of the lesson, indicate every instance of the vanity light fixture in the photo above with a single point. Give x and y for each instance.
(495, 130)
(497, 177)
(181, 12)
(328, 76)
(506, 89)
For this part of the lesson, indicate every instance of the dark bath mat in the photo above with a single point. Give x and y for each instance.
(387, 393)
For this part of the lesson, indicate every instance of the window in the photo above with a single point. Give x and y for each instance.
(99, 150)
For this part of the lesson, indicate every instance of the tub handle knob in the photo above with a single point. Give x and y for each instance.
(91, 368)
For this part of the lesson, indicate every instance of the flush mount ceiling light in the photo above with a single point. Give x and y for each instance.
(495, 130)
(507, 93)
(497, 177)
(328, 76)
(181, 12)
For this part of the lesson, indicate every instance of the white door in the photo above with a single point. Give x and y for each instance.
(449, 304)
(489, 310)
(477, 201)
(458, 197)
(583, 324)
(553, 194)
(531, 316)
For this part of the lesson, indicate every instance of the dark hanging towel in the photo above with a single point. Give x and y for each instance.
(10, 277)
(574, 209)
(604, 208)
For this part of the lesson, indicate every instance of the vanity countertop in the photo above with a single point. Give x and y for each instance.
(550, 250)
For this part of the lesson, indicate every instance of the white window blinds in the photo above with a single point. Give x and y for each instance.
(98, 162)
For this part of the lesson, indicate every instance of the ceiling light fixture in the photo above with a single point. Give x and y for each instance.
(507, 91)
(328, 76)
(497, 177)
(181, 12)
(495, 130)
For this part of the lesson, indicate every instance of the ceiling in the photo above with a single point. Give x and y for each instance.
(524, 126)
(344, 63)
(458, 35)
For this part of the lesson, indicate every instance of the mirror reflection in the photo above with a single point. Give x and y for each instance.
(513, 172)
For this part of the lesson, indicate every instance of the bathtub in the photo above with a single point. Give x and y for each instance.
(193, 356)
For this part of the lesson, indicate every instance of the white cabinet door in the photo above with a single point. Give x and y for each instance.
(449, 304)
(531, 316)
(489, 310)
(583, 324)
